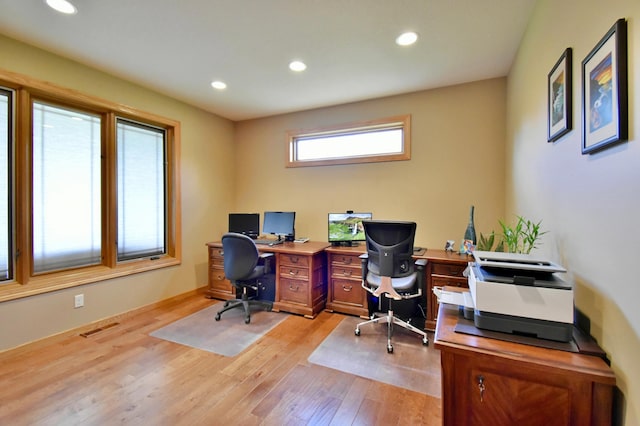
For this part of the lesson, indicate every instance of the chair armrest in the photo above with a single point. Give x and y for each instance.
(421, 264)
(364, 265)
(266, 261)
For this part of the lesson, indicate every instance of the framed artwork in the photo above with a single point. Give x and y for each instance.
(604, 91)
(559, 108)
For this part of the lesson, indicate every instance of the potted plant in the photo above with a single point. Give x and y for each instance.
(520, 238)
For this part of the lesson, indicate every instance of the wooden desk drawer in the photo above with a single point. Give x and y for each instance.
(294, 260)
(345, 272)
(217, 281)
(345, 260)
(448, 269)
(215, 252)
(294, 272)
(294, 290)
(449, 281)
(216, 262)
(347, 291)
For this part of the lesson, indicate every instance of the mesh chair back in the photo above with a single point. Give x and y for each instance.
(240, 256)
(390, 247)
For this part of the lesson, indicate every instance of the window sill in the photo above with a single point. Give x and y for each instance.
(62, 280)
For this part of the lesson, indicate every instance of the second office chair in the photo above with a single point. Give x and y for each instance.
(388, 270)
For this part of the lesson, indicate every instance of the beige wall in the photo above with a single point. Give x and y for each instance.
(207, 147)
(588, 203)
(457, 160)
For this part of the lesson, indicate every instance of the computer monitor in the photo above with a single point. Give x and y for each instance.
(281, 224)
(245, 223)
(346, 228)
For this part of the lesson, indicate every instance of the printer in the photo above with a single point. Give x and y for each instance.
(520, 294)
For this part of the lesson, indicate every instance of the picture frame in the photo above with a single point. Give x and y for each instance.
(559, 96)
(604, 91)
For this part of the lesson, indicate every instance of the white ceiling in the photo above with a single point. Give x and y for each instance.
(178, 47)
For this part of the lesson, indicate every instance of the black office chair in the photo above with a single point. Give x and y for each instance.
(389, 270)
(242, 268)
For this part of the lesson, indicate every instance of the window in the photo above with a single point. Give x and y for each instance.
(90, 190)
(66, 188)
(141, 198)
(374, 141)
(6, 121)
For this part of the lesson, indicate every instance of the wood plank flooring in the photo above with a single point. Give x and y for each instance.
(121, 375)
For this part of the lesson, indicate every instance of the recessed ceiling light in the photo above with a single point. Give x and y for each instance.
(62, 6)
(218, 85)
(406, 39)
(297, 66)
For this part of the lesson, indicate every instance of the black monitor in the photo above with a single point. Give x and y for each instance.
(346, 228)
(281, 224)
(245, 223)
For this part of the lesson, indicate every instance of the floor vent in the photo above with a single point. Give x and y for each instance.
(99, 329)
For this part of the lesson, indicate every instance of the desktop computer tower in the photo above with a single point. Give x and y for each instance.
(267, 288)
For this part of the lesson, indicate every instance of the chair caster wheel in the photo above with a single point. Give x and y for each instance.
(247, 320)
(217, 317)
(390, 349)
(425, 341)
(357, 332)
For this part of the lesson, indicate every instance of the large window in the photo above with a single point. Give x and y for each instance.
(6, 122)
(66, 188)
(373, 141)
(90, 190)
(141, 197)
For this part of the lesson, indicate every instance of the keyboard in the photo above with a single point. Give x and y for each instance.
(267, 242)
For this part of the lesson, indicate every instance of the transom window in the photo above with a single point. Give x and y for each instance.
(374, 141)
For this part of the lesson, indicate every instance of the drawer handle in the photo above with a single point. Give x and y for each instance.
(293, 272)
(294, 259)
(293, 289)
(481, 387)
(347, 288)
(346, 273)
(346, 260)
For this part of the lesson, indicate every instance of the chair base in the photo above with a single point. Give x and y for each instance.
(246, 304)
(390, 320)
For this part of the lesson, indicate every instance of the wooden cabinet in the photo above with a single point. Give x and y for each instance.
(301, 278)
(443, 269)
(219, 286)
(494, 382)
(345, 293)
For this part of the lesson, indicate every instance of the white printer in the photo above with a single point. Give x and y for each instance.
(520, 294)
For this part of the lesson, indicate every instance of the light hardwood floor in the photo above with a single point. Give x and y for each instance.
(121, 375)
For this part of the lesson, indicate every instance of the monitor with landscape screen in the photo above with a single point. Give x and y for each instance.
(346, 228)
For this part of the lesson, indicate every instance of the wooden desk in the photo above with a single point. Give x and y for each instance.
(301, 283)
(331, 276)
(523, 384)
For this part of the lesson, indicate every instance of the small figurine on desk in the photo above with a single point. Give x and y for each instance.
(450, 245)
(466, 247)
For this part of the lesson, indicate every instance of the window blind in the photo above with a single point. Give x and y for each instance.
(141, 190)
